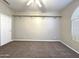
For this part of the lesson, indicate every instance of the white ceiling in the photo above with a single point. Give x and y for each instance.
(48, 5)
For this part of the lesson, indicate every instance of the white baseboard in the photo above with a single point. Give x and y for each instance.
(6, 43)
(69, 47)
(33, 40)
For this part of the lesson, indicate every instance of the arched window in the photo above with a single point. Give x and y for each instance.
(75, 25)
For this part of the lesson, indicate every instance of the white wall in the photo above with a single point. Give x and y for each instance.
(6, 11)
(36, 28)
(66, 25)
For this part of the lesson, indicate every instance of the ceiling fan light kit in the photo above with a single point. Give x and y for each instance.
(34, 2)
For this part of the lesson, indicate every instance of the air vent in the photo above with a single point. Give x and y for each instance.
(6, 2)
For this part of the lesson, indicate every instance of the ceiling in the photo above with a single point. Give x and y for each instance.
(47, 5)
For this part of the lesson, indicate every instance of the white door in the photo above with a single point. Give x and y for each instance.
(5, 29)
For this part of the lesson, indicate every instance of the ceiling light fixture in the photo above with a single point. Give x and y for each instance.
(34, 1)
(31, 1)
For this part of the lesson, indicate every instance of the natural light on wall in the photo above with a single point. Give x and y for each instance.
(38, 23)
(75, 25)
(37, 28)
(38, 20)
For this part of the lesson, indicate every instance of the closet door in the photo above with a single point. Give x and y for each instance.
(0, 29)
(5, 29)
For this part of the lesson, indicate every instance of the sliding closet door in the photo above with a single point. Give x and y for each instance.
(0, 29)
(5, 29)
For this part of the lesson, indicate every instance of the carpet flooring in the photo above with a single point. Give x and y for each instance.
(36, 50)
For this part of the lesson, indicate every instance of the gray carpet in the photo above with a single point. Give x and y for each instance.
(36, 50)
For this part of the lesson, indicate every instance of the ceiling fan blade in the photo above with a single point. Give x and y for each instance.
(6, 2)
(29, 2)
(43, 8)
(38, 3)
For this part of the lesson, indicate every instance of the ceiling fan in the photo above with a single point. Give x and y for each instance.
(34, 2)
(29, 2)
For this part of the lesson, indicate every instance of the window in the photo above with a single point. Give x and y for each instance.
(75, 25)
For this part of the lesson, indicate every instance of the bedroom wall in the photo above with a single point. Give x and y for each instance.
(66, 26)
(36, 28)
